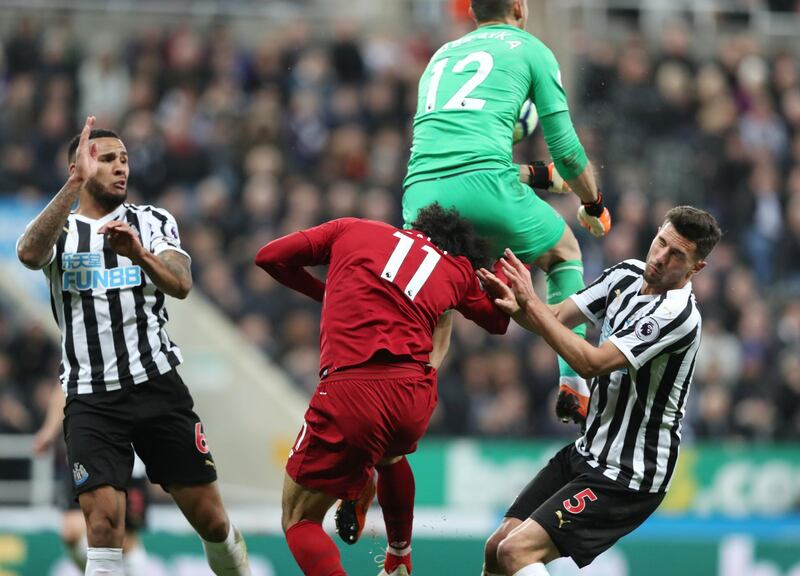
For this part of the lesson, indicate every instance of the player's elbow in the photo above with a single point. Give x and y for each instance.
(500, 328)
(181, 291)
(589, 368)
(266, 257)
(29, 258)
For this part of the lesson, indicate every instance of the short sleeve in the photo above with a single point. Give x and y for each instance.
(164, 234)
(592, 299)
(668, 329)
(547, 92)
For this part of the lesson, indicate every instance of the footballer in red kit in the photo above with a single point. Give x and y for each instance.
(385, 292)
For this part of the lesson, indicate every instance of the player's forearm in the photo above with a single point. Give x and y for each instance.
(578, 353)
(297, 279)
(568, 155)
(36, 244)
(170, 275)
(285, 259)
(585, 185)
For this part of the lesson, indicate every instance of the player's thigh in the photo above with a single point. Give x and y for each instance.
(301, 503)
(342, 437)
(530, 541)
(589, 514)
(169, 437)
(98, 437)
(408, 404)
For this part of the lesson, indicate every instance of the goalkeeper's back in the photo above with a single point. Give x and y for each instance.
(470, 96)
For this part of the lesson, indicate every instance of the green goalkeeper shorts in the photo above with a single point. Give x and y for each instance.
(504, 210)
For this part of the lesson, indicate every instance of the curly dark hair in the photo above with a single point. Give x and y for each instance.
(449, 231)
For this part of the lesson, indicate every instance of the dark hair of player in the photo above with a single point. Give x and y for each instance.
(453, 234)
(486, 10)
(696, 225)
(96, 133)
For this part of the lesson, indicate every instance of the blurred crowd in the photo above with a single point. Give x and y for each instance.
(244, 143)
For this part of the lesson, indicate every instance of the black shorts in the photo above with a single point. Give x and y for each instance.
(583, 512)
(154, 417)
(137, 502)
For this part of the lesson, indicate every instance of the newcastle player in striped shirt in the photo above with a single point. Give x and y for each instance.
(603, 486)
(109, 265)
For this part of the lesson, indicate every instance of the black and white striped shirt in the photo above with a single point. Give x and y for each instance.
(110, 313)
(634, 424)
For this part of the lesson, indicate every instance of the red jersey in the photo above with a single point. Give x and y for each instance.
(385, 292)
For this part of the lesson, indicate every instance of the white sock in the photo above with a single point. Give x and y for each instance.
(104, 562)
(398, 551)
(77, 553)
(537, 569)
(135, 561)
(228, 558)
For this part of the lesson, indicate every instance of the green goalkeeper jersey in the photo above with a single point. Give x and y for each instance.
(470, 96)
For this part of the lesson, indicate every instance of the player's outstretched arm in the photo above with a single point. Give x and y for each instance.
(587, 360)
(35, 246)
(284, 259)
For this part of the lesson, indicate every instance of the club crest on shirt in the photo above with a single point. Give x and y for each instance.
(646, 329)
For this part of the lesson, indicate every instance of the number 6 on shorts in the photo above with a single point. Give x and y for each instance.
(581, 497)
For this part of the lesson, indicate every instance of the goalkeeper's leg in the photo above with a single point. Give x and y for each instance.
(564, 270)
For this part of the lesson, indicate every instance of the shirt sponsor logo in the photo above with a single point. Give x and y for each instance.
(84, 271)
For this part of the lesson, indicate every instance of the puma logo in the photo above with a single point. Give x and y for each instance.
(561, 520)
(617, 293)
(211, 463)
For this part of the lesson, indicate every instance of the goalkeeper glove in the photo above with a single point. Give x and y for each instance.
(595, 217)
(545, 177)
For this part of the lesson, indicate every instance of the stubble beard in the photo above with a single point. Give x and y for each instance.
(107, 199)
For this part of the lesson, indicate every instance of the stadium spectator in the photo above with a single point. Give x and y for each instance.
(241, 135)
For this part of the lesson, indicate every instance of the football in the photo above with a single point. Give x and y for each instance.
(527, 122)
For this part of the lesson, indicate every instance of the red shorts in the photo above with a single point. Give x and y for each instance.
(356, 417)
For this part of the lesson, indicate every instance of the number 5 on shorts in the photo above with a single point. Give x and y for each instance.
(581, 497)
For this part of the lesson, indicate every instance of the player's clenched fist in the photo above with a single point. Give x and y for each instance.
(595, 217)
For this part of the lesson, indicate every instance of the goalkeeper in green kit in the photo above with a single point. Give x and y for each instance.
(470, 97)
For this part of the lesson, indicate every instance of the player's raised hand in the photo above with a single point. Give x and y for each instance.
(86, 154)
(123, 239)
(501, 293)
(519, 277)
(595, 217)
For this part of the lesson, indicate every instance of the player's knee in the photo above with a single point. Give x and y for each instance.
(213, 526)
(490, 548)
(103, 530)
(515, 551)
